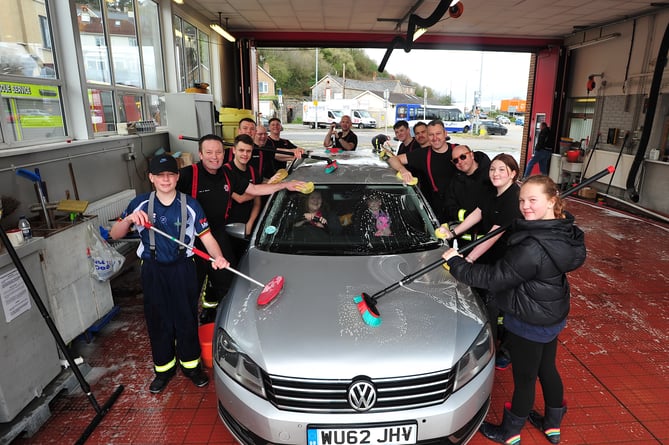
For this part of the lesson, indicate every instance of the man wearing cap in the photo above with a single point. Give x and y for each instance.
(168, 274)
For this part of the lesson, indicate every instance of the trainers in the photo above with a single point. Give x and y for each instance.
(197, 376)
(502, 362)
(161, 380)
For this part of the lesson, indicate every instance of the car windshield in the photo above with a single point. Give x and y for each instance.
(363, 219)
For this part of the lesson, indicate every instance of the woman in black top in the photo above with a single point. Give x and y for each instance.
(529, 283)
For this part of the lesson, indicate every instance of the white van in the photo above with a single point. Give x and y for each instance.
(362, 119)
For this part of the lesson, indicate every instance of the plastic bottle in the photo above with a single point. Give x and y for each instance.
(24, 226)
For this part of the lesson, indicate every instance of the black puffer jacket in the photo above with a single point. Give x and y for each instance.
(529, 281)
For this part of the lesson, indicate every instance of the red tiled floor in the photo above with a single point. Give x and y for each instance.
(612, 356)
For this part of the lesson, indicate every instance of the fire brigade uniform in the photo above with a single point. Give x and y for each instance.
(214, 193)
(467, 192)
(169, 280)
(437, 171)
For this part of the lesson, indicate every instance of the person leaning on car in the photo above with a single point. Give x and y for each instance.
(343, 140)
(403, 134)
(469, 187)
(433, 164)
(212, 187)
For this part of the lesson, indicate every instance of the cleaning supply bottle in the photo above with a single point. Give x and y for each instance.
(24, 226)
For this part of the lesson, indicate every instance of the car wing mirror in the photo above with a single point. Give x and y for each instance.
(236, 230)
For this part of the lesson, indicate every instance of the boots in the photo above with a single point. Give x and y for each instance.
(550, 422)
(508, 432)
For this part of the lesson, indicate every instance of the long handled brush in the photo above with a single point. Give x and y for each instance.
(367, 303)
(37, 179)
(270, 290)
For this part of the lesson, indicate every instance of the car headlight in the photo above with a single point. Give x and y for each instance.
(475, 359)
(236, 364)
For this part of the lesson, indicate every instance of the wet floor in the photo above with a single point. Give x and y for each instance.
(613, 356)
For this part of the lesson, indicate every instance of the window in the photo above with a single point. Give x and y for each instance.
(192, 49)
(263, 87)
(121, 47)
(44, 29)
(30, 91)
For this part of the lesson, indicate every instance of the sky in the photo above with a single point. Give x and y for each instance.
(500, 75)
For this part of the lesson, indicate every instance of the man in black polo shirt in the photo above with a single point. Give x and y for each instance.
(213, 187)
(433, 165)
(403, 134)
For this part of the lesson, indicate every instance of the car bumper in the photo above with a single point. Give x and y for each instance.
(253, 420)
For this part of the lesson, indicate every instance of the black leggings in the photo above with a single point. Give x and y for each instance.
(531, 360)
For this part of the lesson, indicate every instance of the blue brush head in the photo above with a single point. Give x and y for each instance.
(27, 174)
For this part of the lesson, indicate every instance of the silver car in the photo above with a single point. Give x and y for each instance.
(306, 368)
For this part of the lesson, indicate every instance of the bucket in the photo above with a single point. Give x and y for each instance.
(206, 334)
(572, 155)
(565, 145)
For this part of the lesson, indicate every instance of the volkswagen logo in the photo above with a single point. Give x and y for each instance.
(362, 396)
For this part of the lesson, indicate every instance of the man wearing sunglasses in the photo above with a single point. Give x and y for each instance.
(433, 167)
(469, 188)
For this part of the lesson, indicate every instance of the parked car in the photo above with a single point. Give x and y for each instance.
(492, 127)
(306, 369)
(501, 119)
(520, 121)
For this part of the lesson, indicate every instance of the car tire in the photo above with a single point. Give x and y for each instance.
(465, 130)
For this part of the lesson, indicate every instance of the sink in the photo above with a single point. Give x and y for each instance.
(60, 223)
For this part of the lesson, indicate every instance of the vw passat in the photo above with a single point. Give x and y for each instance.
(305, 368)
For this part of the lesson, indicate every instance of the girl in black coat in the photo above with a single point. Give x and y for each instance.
(530, 286)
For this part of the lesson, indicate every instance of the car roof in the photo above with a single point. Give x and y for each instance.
(355, 167)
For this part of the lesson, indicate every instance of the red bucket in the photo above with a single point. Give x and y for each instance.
(573, 155)
(206, 334)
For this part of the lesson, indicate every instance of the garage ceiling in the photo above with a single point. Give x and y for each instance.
(484, 24)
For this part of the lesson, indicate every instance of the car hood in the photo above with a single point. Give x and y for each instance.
(313, 328)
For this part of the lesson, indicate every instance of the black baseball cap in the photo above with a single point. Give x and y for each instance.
(163, 163)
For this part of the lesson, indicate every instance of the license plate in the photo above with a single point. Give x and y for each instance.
(376, 435)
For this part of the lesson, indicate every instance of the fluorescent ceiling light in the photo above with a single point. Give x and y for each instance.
(219, 29)
(418, 33)
(601, 39)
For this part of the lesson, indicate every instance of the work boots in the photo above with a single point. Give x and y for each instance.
(508, 432)
(550, 422)
(196, 375)
(161, 380)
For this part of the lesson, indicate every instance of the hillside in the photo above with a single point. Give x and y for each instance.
(295, 69)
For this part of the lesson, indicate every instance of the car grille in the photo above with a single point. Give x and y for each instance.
(331, 396)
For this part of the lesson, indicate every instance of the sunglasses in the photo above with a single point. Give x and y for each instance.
(462, 157)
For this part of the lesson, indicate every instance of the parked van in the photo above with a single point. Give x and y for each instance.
(319, 116)
(362, 119)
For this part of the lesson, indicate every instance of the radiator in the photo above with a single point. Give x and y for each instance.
(110, 208)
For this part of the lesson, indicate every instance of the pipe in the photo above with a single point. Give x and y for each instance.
(65, 158)
(654, 93)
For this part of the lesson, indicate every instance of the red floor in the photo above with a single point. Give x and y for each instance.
(613, 357)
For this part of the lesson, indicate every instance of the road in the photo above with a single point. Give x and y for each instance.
(304, 136)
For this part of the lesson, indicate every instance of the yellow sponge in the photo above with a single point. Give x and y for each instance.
(439, 233)
(307, 188)
(413, 181)
(279, 176)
